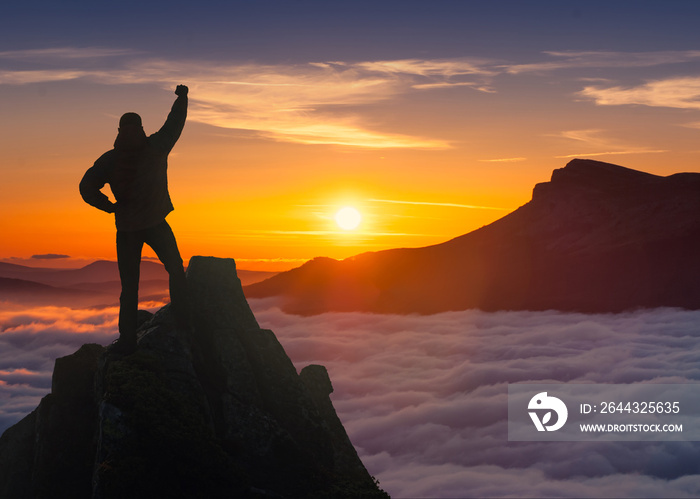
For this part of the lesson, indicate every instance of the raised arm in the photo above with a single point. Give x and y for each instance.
(172, 128)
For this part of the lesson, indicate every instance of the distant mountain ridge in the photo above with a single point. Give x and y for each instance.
(597, 237)
(18, 290)
(94, 284)
(99, 271)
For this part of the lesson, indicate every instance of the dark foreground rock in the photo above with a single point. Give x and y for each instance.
(218, 413)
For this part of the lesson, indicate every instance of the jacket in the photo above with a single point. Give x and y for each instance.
(138, 178)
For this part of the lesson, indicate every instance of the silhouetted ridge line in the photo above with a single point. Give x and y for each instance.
(597, 237)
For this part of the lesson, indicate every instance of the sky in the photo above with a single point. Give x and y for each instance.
(430, 118)
(424, 398)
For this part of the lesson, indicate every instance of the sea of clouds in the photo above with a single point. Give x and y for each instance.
(424, 398)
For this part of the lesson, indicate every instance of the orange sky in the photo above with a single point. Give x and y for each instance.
(426, 144)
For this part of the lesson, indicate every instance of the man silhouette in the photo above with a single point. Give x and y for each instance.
(136, 171)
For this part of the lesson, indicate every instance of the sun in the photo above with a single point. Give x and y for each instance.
(348, 218)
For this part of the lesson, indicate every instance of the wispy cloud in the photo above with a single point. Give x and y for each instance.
(334, 233)
(297, 103)
(596, 139)
(53, 53)
(682, 93)
(320, 102)
(429, 203)
(426, 74)
(604, 59)
(272, 260)
(303, 103)
(50, 256)
(440, 68)
(610, 153)
(39, 76)
(475, 86)
(57, 63)
(503, 160)
(589, 136)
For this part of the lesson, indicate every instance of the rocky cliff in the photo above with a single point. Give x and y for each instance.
(216, 412)
(597, 237)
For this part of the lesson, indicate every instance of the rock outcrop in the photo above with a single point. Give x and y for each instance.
(597, 237)
(218, 412)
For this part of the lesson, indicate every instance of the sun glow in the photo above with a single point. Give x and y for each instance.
(348, 218)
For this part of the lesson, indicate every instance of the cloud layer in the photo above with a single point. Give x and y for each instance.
(304, 103)
(31, 339)
(599, 140)
(326, 102)
(424, 398)
(680, 93)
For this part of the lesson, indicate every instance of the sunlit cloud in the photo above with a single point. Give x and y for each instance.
(681, 93)
(590, 136)
(39, 76)
(429, 203)
(357, 233)
(610, 153)
(604, 59)
(596, 139)
(438, 74)
(338, 134)
(271, 260)
(300, 104)
(503, 160)
(31, 338)
(59, 63)
(304, 103)
(17, 319)
(320, 102)
(426, 67)
(21, 371)
(427, 410)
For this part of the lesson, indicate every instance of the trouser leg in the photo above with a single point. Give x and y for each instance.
(129, 246)
(162, 240)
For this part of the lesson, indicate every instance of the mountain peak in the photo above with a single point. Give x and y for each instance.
(596, 177)
(599, 171)
(219, 411)
(598, 237)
